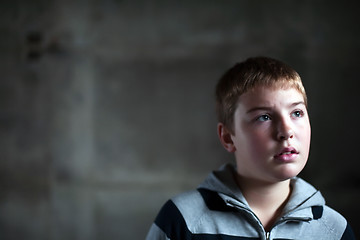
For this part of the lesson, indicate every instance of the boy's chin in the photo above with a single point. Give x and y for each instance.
(287, 175)
(289, 171)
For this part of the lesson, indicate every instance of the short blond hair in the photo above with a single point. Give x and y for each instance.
(246, 75)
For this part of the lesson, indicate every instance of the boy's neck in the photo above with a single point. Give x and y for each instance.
(267, 200)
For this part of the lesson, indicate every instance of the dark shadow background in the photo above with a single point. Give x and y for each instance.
(107, 108)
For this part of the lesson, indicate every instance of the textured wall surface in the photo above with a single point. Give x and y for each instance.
(107, 109)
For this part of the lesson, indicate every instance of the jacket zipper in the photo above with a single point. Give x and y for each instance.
(267, 235)
(235, 205)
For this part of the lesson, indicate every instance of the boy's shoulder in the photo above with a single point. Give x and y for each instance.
(200, 211)
(333, 220)
(181, 214)
(330, 224)
(190, 204)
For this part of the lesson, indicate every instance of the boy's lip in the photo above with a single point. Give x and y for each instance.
(287, 154)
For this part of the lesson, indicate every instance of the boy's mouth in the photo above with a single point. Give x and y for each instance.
(287, 154)
(288, 150)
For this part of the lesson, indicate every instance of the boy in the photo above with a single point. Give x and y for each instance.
(263, 120)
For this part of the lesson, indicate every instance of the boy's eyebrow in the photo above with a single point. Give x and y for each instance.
(297, 103)
(267, 108)
(257, 109)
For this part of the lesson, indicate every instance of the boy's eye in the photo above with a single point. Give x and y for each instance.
(263, 118)
(298, 113)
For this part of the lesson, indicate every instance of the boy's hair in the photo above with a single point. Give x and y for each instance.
(244, 76)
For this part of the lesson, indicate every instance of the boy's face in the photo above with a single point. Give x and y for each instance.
(271, 138)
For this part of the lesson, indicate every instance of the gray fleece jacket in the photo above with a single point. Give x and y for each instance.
(218, 210)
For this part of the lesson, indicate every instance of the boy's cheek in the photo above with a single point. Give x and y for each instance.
(307, 132)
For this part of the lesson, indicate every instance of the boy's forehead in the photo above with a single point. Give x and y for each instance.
(274, 87)
(278, 85)
(267, 96)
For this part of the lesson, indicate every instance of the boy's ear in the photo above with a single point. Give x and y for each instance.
(225, 137)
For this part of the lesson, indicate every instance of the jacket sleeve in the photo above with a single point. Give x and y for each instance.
(155, 233)
(169, 224)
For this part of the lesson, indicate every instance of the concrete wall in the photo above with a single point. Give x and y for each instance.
(107, 109)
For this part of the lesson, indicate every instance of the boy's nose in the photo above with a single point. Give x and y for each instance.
(285, 131)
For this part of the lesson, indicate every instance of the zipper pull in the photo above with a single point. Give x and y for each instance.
(267, 235)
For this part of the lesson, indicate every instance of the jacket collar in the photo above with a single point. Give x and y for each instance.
(303, 200)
